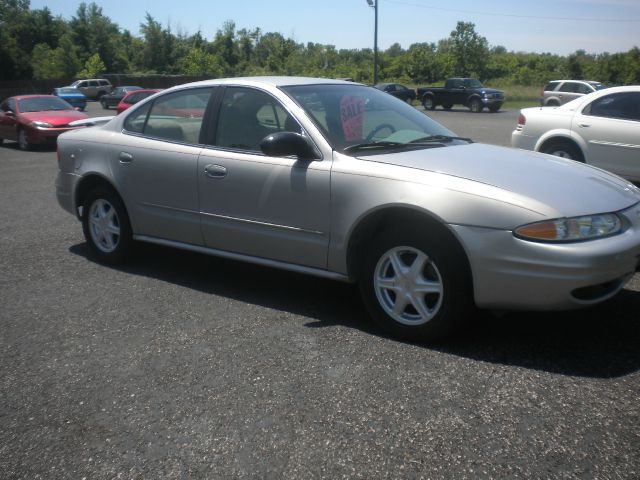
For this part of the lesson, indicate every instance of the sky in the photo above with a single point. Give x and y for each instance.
(545, 26)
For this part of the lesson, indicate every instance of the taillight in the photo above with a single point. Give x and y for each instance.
(522, 120)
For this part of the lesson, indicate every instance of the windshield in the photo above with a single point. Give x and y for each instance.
(41, 104)
(355, 115)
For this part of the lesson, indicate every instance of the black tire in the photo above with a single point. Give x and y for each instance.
(494, 108)
(447, 106)
(476, 105)
(552, 103)
(23, 140)
(103, 102)
(426, 316)
(564, 149)
(106, 226)
(428, 102)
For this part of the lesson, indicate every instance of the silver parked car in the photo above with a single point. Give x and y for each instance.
(343, 181)
(559, 92)
(601, 129)
(93, 87)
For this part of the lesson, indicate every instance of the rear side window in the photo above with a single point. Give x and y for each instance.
(551, 86)
(625, 106)
(569, 87)
(176, 117)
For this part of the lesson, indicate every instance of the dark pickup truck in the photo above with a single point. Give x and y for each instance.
(461, 91)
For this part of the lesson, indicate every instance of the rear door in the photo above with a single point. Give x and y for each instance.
(611, 127)
(155, 162)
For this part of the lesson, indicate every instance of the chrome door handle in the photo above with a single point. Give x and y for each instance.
(215, 171)
(125, 157)
(585, 125)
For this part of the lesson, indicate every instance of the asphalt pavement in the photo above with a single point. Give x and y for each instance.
(181, 365)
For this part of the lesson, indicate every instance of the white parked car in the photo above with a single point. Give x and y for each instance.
(601, 129)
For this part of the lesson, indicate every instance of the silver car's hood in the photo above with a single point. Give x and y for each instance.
(565, 186)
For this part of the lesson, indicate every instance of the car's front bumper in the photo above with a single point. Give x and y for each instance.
(492, 102)
(37, 135)
(510, 273)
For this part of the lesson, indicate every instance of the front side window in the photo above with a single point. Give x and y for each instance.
(247, 116)
(624, 106)
(176, 116)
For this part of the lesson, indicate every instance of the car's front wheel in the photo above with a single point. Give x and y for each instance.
(416, 285)
(103, 102)
(476, 105)
(23, 140)
(106, 226)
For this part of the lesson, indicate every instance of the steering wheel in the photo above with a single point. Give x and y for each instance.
(382, 126)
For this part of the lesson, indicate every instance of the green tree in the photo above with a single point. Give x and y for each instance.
(199, 62)
(92, 67)
(469, 50)
(93, 33)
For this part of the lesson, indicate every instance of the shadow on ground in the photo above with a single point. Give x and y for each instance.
(601, 341)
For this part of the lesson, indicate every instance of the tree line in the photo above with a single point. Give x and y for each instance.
(36, 45)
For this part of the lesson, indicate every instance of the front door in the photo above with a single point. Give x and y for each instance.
(253, 204)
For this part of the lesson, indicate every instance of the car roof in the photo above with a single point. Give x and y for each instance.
(569, 80)
(272, 81)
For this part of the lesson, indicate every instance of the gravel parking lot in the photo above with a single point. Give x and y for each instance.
(186, 366)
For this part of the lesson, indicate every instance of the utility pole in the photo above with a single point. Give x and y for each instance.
(374, 4)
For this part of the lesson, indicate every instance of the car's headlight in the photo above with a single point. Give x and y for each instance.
(38, 123)
(573, 229)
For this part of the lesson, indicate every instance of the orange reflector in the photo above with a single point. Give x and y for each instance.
(543, 231)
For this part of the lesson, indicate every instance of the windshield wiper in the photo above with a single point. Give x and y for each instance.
(439, 138)
(372, 146)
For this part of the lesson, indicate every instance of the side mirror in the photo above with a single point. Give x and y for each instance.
(10, 113)
(285, 144)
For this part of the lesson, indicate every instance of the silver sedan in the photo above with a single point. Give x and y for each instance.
(343, 181)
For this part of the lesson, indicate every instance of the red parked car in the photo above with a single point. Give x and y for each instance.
(134, 97)
(36, 119)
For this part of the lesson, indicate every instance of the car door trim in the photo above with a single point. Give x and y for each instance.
(264, 224)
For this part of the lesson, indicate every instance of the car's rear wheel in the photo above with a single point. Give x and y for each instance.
(106, 226)
(416, 285)
(564, 149)
(428, 102)
(103, 102)
(476, 105)
(447, 106)
(23, 140)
